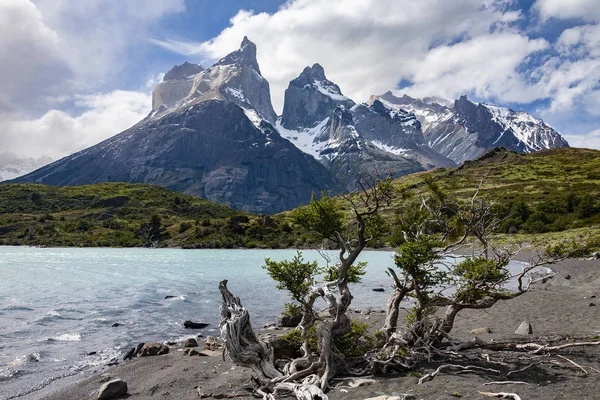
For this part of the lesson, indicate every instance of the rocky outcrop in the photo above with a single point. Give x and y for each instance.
(463, 130)
(153, 349)
(353, 140)
(176, 85)
(311, 98)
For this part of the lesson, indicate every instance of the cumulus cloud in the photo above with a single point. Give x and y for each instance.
(585, 9)
(30, 62)
(590, 140)
(58, 134)
(55, 53)
(368, 47)
(97, 36)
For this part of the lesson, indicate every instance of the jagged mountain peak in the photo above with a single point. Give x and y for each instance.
(464, 130)
(183, 71)
(311, 98)
(246, 55)
(314, 73)
(235, 78)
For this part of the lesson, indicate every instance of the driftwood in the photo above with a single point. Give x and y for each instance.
(246, 350)
(501, 395)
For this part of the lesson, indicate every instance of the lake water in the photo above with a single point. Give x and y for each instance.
(58, 305)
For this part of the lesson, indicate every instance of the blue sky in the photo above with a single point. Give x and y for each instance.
(76, 72)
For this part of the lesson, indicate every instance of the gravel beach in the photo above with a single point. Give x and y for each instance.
(563, 309)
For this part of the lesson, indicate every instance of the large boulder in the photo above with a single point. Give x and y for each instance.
(287, 321)
(153, 349)
(213, 343)
(190, 342)
(113, 389)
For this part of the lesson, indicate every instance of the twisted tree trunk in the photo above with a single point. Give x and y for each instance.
(246, 350)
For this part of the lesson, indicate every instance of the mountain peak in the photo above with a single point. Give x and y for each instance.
(246, 42)
(184, 71)
(245, 55)
(310, 98)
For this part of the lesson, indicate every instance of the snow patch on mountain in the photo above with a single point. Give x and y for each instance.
(328, 89)
(529, 130)
(311, 141)
(390, 149)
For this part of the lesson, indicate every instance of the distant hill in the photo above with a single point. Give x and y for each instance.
(546, 191)
(549, 191)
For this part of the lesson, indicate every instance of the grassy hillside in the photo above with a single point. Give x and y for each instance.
(543, 196)
(123, 215)
(548, 191)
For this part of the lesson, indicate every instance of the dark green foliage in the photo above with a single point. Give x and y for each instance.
(355, 343)
(477, 277)
(354, 274)
(184, 226)
(296, 276)
(321, 215)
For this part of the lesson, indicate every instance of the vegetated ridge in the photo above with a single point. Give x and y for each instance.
(213, 133)
(549, 191)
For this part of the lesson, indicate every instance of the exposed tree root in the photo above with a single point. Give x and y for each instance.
(246, 350)
(501, 395)
(461, 368)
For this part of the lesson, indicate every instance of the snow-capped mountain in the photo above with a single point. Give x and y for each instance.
(352, 139)
(213, 133)
(235, 78)
(13, 165)
(464, 130)
(214, 141)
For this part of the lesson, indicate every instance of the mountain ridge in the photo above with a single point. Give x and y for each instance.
(213, 133)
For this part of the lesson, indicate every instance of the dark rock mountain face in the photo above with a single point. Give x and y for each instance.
(310, 98)
(352, 139)
(349, 156)
(464, 130)
(210, 150)
(222, 150)
(213, 133)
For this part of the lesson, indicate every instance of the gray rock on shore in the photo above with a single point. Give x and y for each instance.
(113, 389)
(524, 329)
(285, 321)
(153, 349)
(194, 325)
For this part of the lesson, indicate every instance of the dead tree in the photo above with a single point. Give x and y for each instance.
(323, 216)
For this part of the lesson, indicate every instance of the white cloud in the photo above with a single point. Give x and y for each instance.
(465, 67)
(57, 133)
(97, 36)
(52, 51)
(30, 64)
(585, 9)
(367, 47)
(590, 140)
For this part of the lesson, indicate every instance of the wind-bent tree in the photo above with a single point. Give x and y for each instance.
(429, 230)
(325, 217)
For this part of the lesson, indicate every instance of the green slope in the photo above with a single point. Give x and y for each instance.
(554, 193)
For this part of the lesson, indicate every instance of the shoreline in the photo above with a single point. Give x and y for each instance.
(558, 307)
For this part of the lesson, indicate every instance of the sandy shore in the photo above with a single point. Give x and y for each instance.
(559, 308)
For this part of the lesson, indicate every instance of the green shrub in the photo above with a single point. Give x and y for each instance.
(355, 343)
